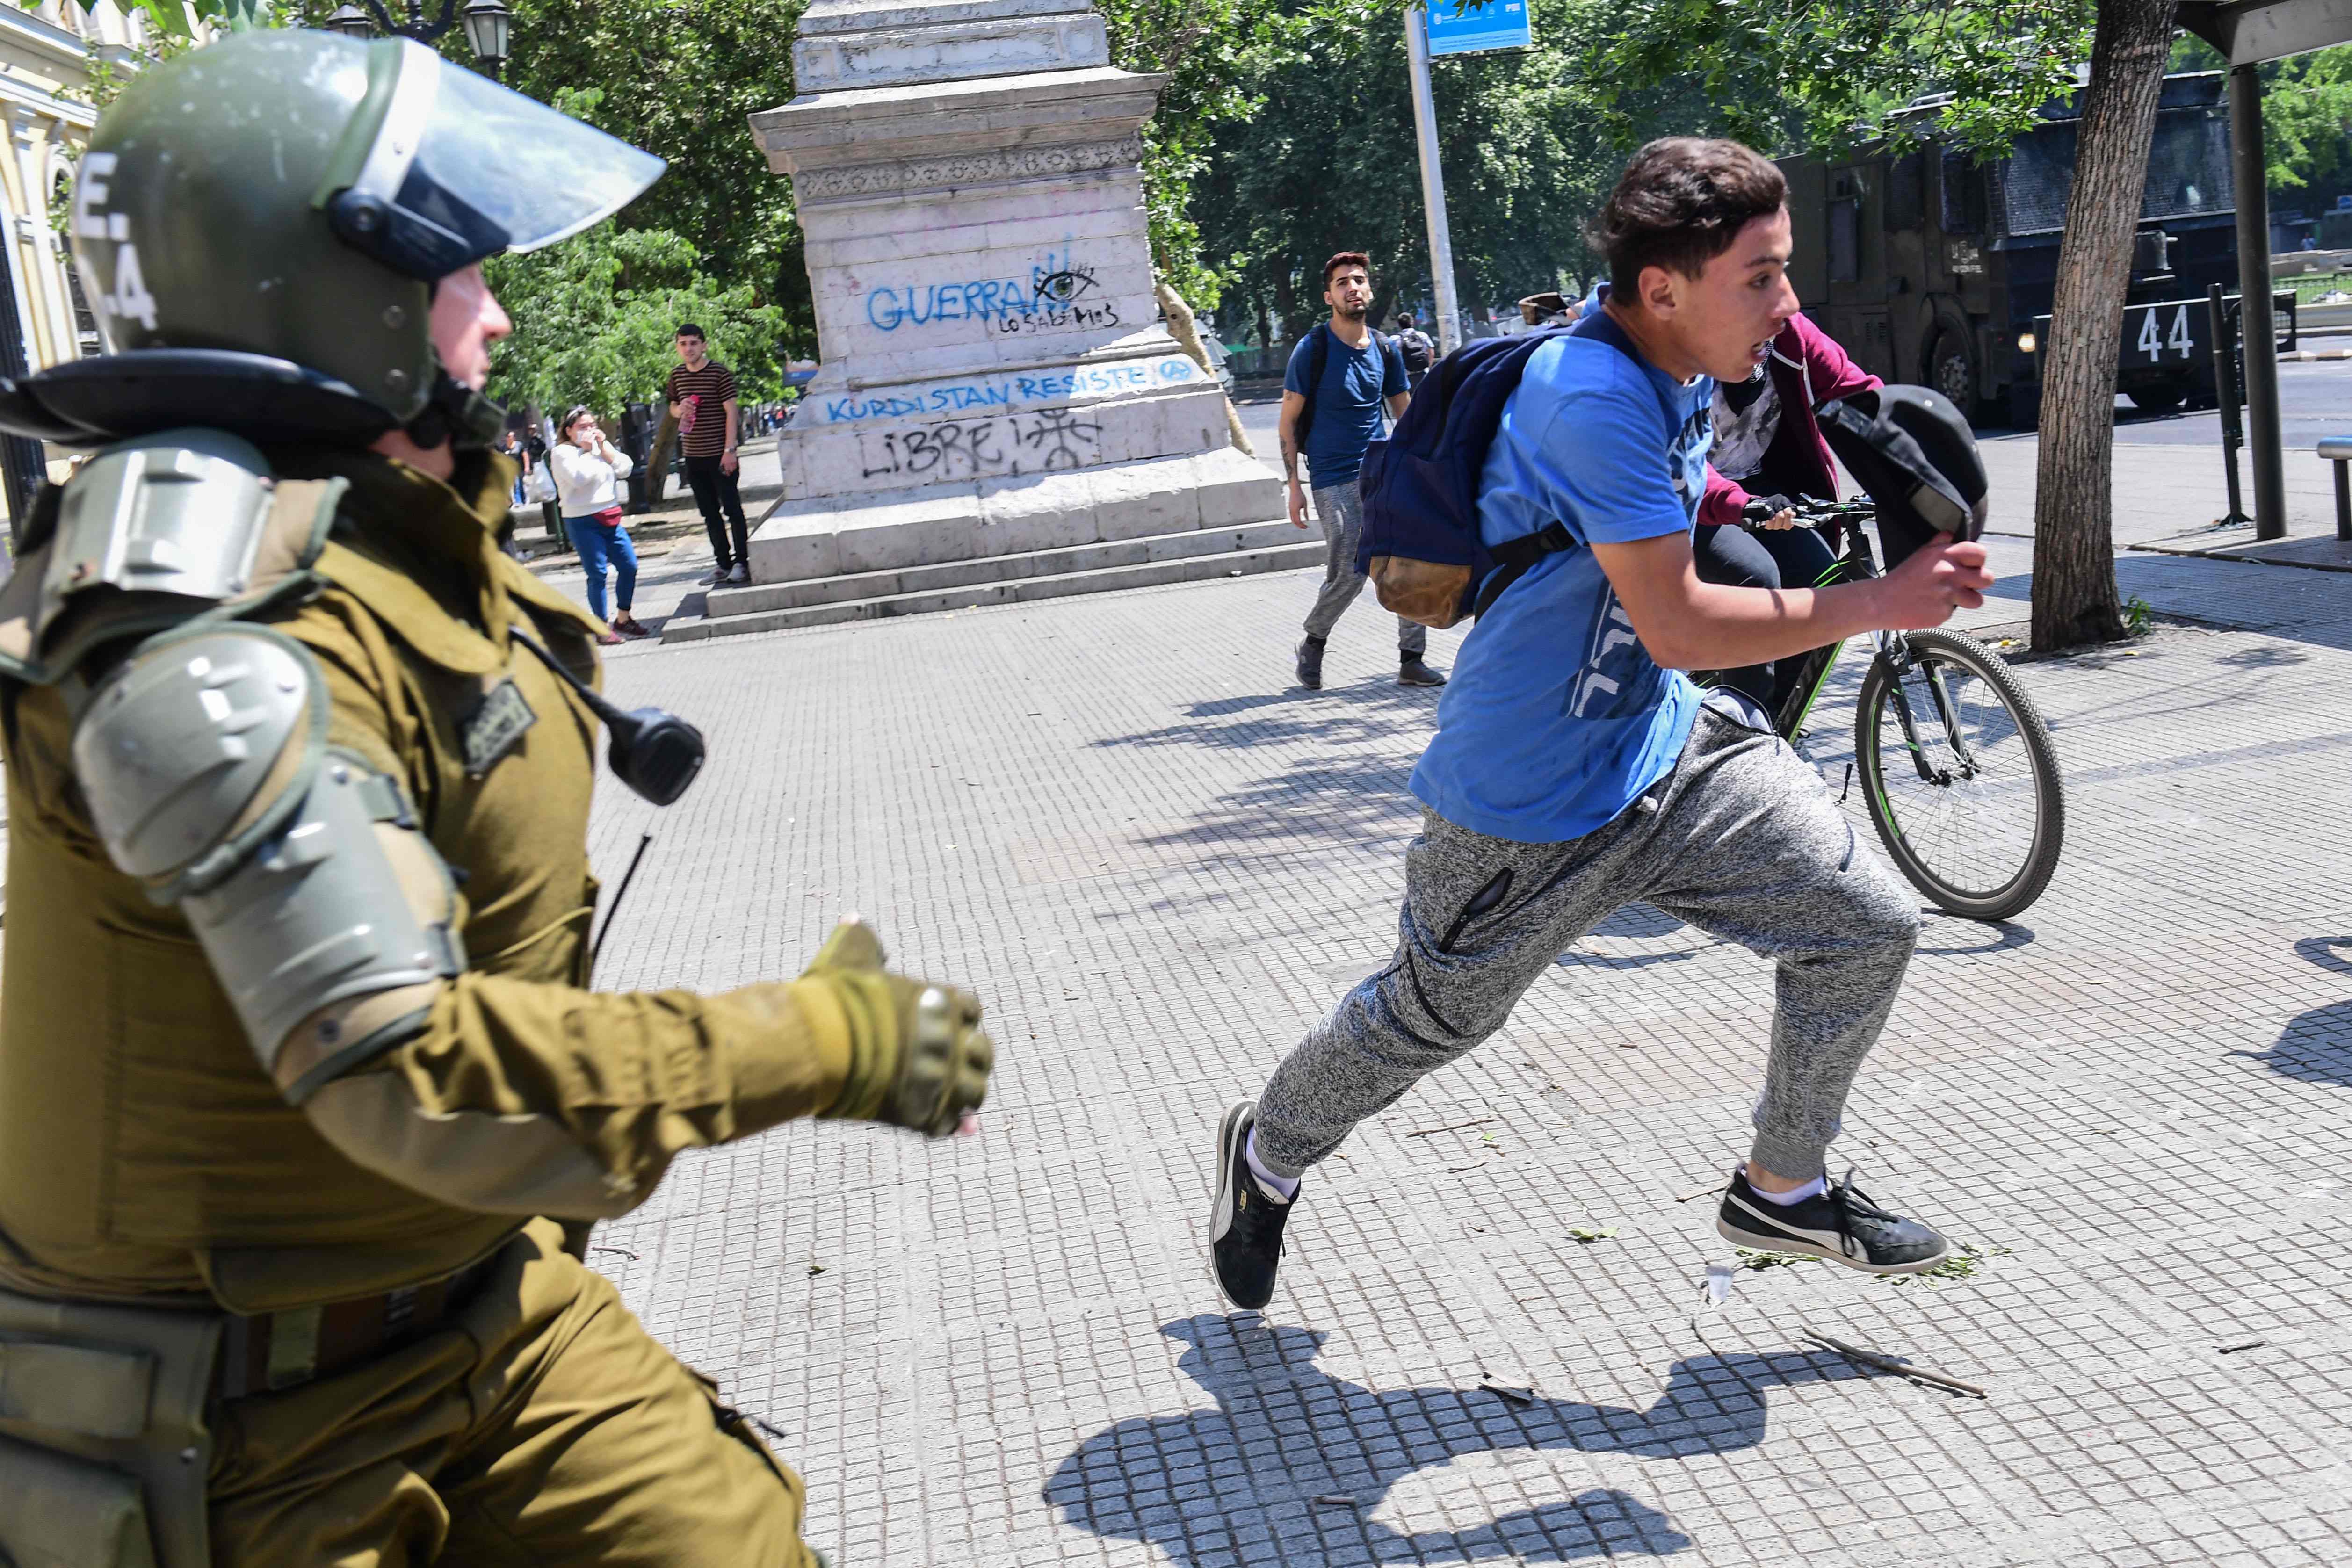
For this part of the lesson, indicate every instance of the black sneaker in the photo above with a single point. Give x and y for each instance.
(1414, 672)
(1840, 1225)
(1310, 664)
(1246, 1225)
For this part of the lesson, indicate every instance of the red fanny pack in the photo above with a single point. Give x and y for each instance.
(609, 517)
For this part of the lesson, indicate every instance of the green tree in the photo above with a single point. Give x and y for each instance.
(1217, 56)
(1527, 149)
(594, 318)
(2306, 114)
(1842, 65)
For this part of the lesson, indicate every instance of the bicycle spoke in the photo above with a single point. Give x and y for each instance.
(1972, 821)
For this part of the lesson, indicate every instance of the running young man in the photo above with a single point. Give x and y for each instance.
(1576, 770)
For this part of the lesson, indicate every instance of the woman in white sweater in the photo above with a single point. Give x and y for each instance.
(588, 473)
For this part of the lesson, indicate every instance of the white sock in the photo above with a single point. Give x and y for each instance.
(1283, 1187)
(1813, 1189)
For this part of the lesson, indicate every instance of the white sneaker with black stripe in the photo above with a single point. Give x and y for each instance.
(1840, 1225)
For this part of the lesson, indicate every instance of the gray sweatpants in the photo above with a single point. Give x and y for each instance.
(1340, 510)
(1740, 839)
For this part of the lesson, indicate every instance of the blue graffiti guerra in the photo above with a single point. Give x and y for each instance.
(892, 305)
(1057, 284)
(958, 397)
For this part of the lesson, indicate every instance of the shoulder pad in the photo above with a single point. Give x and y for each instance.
(179, 513)
(153, 533)
(197, 748)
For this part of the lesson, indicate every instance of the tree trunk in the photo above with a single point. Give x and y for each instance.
(2074, 597)
(1187, 333)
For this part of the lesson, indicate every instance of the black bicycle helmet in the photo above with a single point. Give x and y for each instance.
(1914, 454)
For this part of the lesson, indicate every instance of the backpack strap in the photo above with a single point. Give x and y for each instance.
(1519, 554)
(1318, 357)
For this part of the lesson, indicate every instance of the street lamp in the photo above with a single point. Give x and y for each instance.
(487, 25)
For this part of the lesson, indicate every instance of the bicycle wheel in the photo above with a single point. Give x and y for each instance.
(1959, 776)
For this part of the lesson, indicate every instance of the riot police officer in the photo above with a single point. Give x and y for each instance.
(300, 1081)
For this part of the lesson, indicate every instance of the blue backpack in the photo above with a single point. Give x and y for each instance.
(1421, 544)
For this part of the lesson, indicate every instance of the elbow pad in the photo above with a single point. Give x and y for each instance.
(329, 918)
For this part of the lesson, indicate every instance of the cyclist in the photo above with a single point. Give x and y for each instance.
(1767, 441)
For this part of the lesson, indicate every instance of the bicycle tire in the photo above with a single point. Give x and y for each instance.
(2039, 861)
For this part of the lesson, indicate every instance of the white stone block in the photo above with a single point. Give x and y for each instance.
(1035, 511)
(1136, 499)
(1236, 489)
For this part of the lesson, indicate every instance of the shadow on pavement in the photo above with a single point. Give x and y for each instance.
(1336, 796)
(1637, 921)
(1997, 936)
(2315, 1047)
(1285, 1432)
(1369, 709)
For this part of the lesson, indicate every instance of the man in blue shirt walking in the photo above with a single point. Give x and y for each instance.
(1331, 416)
(1576, 770)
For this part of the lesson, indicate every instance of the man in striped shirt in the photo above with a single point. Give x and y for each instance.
(702, 401)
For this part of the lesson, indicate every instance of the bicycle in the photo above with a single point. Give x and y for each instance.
(1976, 818)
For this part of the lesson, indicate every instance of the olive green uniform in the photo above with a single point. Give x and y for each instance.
(146, 1156)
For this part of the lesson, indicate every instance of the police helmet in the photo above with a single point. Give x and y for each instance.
(262, 221)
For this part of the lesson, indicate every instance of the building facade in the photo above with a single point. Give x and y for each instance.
(50, 62)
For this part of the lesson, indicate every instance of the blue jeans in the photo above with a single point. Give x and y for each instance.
(598, 545)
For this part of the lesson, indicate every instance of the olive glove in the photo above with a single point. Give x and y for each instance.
(917, 1056)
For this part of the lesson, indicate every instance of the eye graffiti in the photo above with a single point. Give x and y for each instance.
(1058, 291)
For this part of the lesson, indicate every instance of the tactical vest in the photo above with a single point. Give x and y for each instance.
(144, 1151)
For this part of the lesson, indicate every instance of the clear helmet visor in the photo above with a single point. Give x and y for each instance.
(458, 168)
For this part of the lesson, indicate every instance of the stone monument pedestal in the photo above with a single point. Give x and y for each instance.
(1000, 404)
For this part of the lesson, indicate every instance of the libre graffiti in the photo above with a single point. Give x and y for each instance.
(1016, 391)
(1014, 445)
(1060, 293)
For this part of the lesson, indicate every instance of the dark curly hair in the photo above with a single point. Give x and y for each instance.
(1680, 204)
(1346, 258)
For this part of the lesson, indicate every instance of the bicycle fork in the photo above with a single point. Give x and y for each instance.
(1897, 651)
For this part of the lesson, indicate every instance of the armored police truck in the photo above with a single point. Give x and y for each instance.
(1929, 268)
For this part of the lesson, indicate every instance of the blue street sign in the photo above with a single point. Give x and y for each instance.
(1489, 24)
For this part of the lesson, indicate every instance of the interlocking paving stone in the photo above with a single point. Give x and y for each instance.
(1158, 864)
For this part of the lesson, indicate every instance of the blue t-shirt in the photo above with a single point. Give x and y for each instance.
(1347, 406)
(1555, 718)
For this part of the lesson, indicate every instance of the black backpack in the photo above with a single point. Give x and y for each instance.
(1318, 356)
(1417, 348)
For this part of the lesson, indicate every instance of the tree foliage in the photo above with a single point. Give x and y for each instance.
(1527, 149)
(594, 319)
(1824, 74)
(2306, 114)
(1215, 54)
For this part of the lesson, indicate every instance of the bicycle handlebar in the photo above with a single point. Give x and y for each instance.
(1809, 510)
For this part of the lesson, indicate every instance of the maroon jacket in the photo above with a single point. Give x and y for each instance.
(1806, 368)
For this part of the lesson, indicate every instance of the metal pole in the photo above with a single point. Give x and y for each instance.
(2254, 324)
(2225, 397)
(1432, 180)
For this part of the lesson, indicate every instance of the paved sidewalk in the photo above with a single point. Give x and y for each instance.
(1158, 865)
